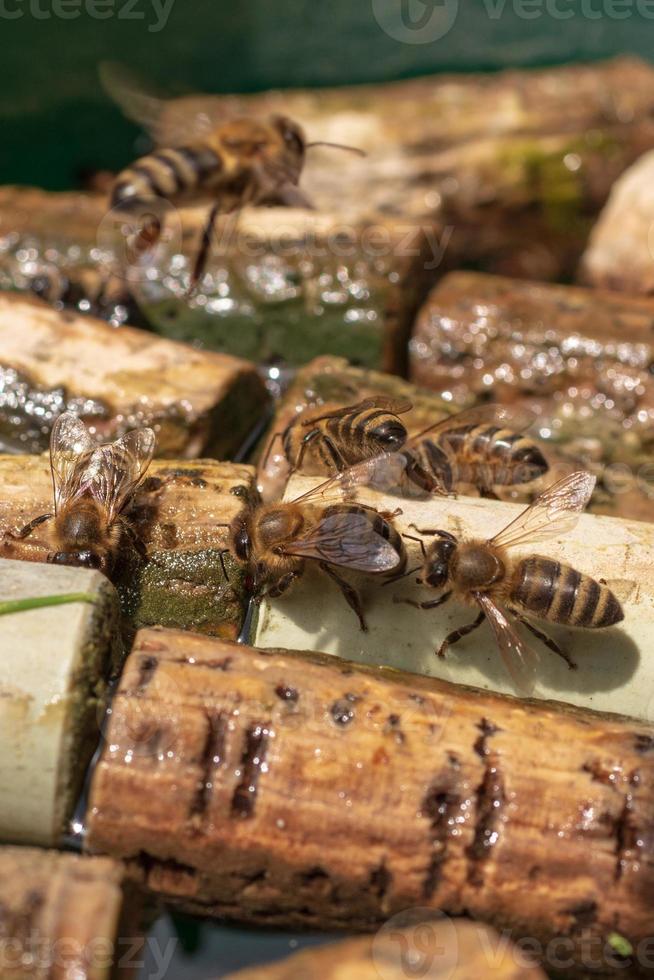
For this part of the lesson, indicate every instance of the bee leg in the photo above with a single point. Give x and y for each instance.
(24, 531)
(304, 445)
(429, 604)
(134, 539)
(487, 493)
(340, 464)
(434, 532)
(351, 595)
(203, 253)
(546, 640)
(412, 537)
(396, 578)
(281, 585)
(390, 515)
(457, 635)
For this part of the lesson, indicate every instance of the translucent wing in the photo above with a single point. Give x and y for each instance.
(386, 473)
(517, 418)
(521, 660)
(170, 122)
(395, 405)
(71, 447)
(398, 406)
(349, 540)
(553, 513)
(113, 472)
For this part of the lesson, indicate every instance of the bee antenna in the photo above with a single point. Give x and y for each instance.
(338, 146)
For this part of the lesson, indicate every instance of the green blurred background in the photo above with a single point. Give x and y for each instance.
(57, 122)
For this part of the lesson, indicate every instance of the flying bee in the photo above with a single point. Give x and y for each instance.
(323, 525)
(92, 487)
(484, 447)
(209, 156)
(481, 573)
(340, 437)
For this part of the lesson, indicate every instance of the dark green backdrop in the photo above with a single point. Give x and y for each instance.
(56, 120)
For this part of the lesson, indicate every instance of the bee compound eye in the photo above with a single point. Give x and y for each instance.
(391, 435)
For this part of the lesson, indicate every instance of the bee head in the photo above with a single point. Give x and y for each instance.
(390, 434)
(293, 143)
(439, 557)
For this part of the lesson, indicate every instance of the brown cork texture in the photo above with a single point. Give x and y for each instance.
(282, 789)
(198, 401)
(581, 358)
(60, 915)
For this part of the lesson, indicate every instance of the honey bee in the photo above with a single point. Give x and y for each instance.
(342, 437)
(232, 161)
(323, 525)
(483, 447)
(481, 573)
(92, 487)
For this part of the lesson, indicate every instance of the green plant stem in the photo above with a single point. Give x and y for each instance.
(39, 602)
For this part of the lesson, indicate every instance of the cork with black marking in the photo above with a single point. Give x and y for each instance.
(298, 791)
(66, 916)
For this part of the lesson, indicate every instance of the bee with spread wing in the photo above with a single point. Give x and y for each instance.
(93, 486)
(324, 525)
(205, 154)
(485, 447)
(482, 573)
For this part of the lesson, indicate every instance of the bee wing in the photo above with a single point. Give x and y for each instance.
(397, 406)
(386, 473)
(521, 660)
(114, 472)
(170, 122)
(71, 447)
(553, 513)
(349, 540)
(515, 417)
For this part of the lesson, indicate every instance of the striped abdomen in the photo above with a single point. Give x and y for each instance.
(167, 173)
(379, 525)
(485, 456)
(345, 438)
(560, 594)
